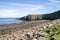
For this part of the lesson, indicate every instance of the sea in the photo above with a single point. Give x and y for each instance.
(7, 21)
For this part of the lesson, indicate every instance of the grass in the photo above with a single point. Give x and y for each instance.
(53, 32)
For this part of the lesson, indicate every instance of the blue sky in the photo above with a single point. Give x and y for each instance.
(19, 8)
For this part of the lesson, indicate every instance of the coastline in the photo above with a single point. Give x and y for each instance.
(29, 23)
(25, 28)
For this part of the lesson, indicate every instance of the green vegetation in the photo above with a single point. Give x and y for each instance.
(53, 32)
(52, 16)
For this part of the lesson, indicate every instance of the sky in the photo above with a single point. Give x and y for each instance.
(20, 8)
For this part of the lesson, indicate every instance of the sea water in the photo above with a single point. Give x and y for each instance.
(4, 21)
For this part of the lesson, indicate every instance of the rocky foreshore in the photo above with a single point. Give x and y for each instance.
(32, 30)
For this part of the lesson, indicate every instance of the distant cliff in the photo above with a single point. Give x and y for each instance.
(51, 16)
(31, 17)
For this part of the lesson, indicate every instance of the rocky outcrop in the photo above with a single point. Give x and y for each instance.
(51, 16)
(31, 17)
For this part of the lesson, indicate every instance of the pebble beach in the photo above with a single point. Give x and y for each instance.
(31, 30)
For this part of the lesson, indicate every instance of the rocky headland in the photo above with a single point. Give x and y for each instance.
(50, 16)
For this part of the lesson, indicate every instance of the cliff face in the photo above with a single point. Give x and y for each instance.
(34, 17)
(51, 16)
(31, 17)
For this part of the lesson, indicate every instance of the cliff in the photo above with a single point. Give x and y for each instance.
(51, 16)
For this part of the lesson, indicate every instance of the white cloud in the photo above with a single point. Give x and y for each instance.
(36, 8)
(8, 13)
(19, 6)
(55, 1)
(18, 9)
(29, 7)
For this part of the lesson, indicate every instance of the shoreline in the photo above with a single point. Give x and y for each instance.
(24, 25)
(19, 30)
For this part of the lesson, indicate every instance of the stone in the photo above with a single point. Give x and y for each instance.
(34, 39)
